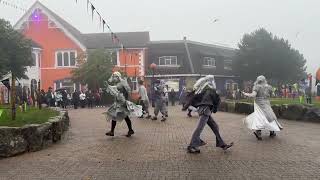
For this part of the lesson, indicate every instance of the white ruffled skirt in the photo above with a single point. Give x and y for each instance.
(258, 120)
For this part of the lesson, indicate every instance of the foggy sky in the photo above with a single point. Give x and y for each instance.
(295, 20)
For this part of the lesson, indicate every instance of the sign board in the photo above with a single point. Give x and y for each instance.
(172, 84)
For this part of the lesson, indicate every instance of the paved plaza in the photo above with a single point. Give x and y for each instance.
(158, 151)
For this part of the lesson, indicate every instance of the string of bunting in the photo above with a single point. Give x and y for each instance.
(10, 4)
(103, 23)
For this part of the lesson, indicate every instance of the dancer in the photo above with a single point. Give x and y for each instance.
(207, 102)
(263, 117)
(121, 108)
(160, 101)
(144, 99)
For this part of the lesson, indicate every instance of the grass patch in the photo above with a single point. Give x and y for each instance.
(32, 116)
(280, 101)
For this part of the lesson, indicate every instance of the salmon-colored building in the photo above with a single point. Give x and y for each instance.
(61, 43)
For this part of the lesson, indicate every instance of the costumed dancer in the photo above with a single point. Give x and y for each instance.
(160, 101)
(144, 99)
(263, 117)
(121, 108)
(207, 103)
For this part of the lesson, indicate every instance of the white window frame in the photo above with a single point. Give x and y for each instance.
(36, 59)
(224, 64)
(228, 84)
(134, 81)
(209, 62)
(168, 59)
(65, 51)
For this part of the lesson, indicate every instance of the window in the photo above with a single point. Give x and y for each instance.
(134, 82)
(228, 64)
(235, 86)
(34, 59)
(168, 61)
(209, 62)
(66, 58)
(228, 86)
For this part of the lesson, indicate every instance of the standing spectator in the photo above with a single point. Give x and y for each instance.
(59, 99)
(90, 98)
(82, 99)
(64, 98)
(172, 97)
(50, 98)
(75, 99)
(69, 100)
(144, 99)
(183, 96)
(97, 98)
(166, 94)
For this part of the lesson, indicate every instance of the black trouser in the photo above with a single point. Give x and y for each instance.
(128, 121)
(90, 103)
(83, 103)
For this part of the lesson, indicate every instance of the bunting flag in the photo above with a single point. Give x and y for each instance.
(99, 18)
(92, 10)
(87, 5)
(103, 24)
(102, 21)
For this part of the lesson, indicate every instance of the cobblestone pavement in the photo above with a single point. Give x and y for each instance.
(158, 151)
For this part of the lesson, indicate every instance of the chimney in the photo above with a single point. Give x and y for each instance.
(184, 38)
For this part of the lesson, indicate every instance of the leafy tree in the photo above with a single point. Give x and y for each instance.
(15, 51)
(262, 53)
(15, 56)
(95, 70)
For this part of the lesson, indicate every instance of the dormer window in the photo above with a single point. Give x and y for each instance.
(209, 62)
(168, 61)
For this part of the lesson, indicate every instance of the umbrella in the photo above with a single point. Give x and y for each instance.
(61, 89)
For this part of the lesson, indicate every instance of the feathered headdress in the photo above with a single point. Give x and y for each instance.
(204, 82)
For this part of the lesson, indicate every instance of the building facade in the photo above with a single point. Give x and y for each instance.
(61, 43)
(180, 63)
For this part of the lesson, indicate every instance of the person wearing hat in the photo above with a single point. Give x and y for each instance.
(144, 99)
(119, 109)
(263, 117)
(160, 100)
(207, 101)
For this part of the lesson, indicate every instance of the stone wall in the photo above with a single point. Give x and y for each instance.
(33, 137)
(290, 112)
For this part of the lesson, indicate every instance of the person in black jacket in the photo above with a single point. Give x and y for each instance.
(75, 99)
(207, 101)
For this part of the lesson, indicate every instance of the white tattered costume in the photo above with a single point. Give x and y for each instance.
(121, 107)
(263, 117)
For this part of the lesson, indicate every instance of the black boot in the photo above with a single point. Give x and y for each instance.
(113, 126)
(227, 146)
(110, 133)
(272, 134)
(258, 135)
(130, 133)
(193, 150)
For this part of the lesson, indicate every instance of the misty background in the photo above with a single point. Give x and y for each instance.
(295, 20)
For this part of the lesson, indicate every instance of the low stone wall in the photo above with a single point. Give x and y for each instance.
(290, 112)
(33, 137)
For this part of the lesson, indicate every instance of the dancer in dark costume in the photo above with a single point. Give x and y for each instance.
(121, 108)
(207, 103)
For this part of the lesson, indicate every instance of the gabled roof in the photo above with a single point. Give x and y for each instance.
(210, 49)
(92, 40)
(68, 29)
(104, 40)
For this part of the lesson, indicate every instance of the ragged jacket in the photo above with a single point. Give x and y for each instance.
(208, 98)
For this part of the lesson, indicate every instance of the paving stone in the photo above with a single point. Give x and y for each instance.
(158, 151)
